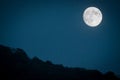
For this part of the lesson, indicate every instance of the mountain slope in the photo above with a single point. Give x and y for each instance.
(16, 65)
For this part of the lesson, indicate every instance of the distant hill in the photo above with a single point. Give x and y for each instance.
(16, 65)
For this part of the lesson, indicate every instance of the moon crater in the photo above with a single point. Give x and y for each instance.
(92, 16)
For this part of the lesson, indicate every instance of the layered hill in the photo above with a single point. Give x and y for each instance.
(16, 65)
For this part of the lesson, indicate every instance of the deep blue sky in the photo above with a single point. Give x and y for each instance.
(54, 30)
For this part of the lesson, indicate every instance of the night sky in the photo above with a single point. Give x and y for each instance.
(54, 30)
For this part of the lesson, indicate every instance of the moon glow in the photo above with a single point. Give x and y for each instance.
(92, 16)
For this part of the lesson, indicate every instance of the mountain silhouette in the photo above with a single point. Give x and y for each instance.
(16, 65)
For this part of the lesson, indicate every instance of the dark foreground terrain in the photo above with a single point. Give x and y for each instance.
(16, 65)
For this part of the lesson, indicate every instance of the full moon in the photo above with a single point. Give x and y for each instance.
(92, 16)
